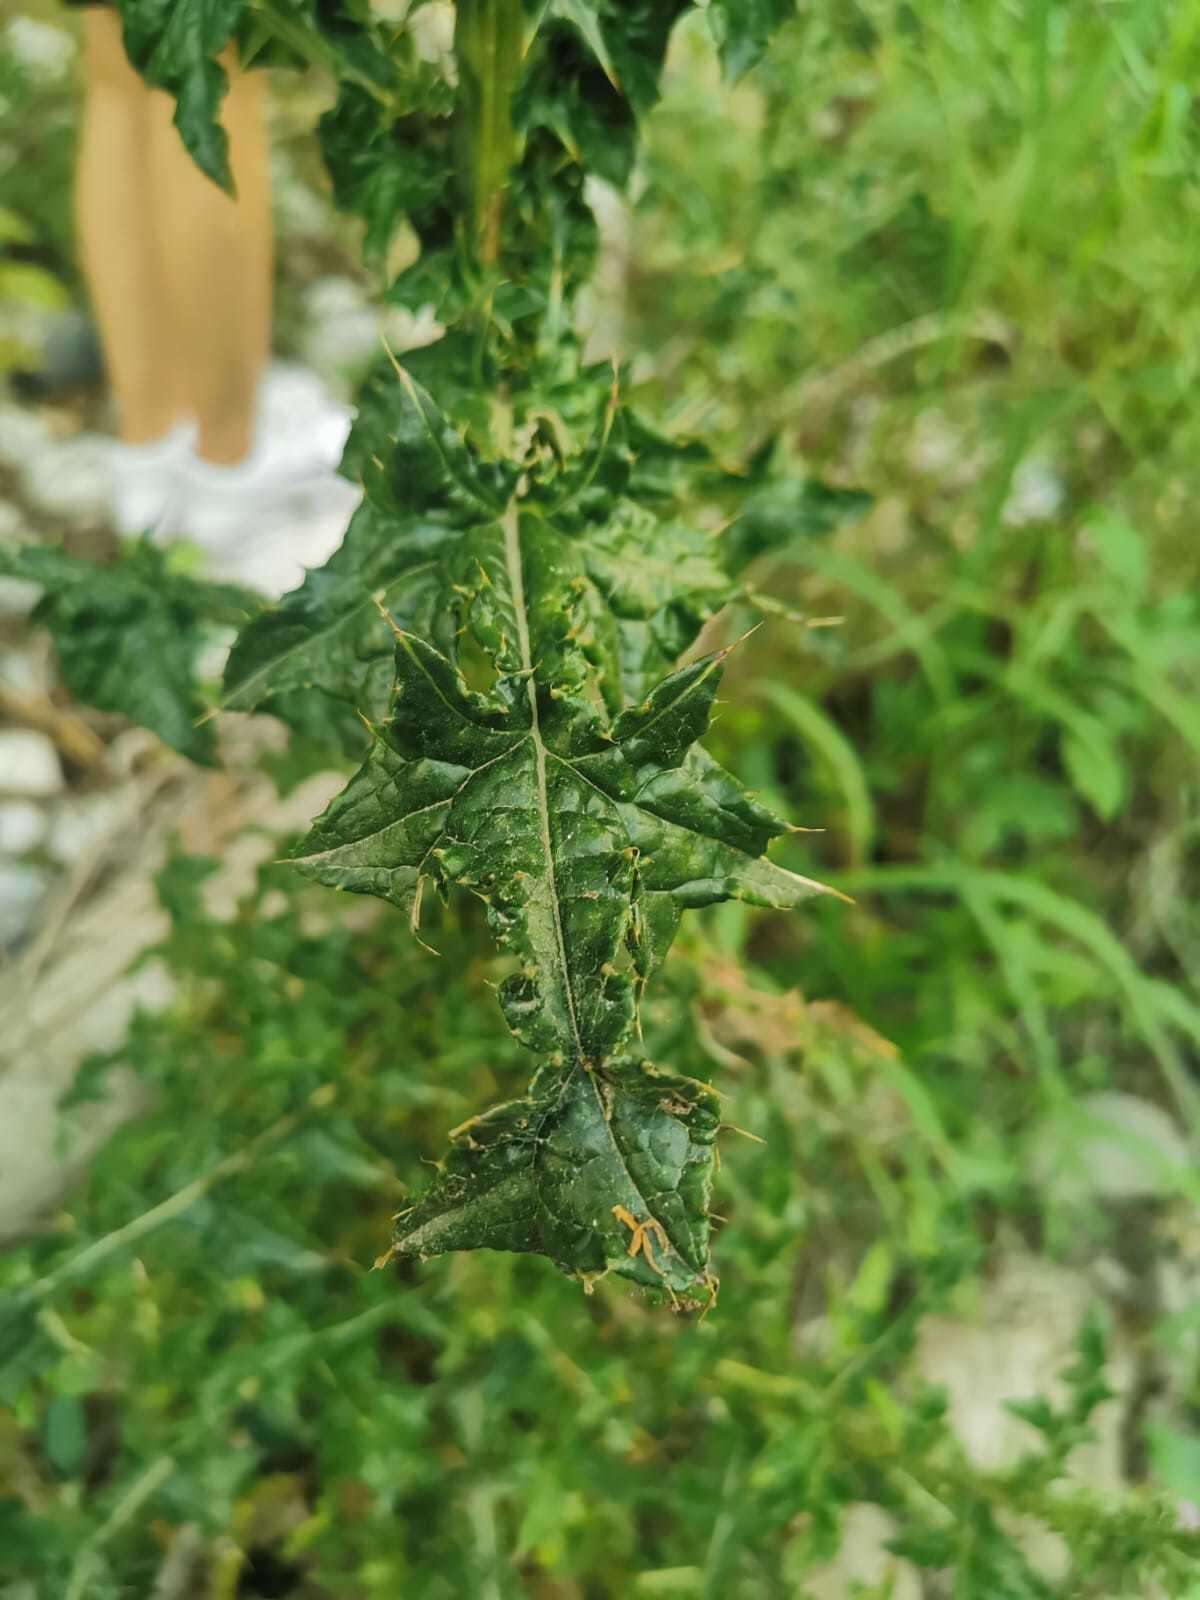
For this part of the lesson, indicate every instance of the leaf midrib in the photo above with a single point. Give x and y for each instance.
(511, 524)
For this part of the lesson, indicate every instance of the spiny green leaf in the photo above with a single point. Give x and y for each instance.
(128, 635)
(531, 572)
(578, 853)
(387, 156)
(607, 1170)
(593, 69)
(573, 831)
(330, 633)
(743, 29)
(782, 514)
(585, 827)
(585, 19)
(173, 44)
(639, 588)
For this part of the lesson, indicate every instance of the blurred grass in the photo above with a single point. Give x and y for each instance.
(951, 259)
(947, 254)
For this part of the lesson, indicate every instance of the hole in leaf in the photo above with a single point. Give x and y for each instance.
(476, 666)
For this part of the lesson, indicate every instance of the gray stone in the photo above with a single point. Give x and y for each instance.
(342, 328)
(1037, 494)
(71, 479)
(1014, 1343)
(23, 435)
(44, 51)
(18, 597)
(12, 523)
(22, 827)
(863, 1559)
(22, 890)
(24, 671)
(80, 822)
(1108, 1146)
(29, 764)
(70, 352)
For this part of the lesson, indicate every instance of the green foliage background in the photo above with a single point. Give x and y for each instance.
(1001, 739)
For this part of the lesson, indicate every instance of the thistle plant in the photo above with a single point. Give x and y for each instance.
(529, 564)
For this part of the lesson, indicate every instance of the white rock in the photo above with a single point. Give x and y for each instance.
(44, 51)
(18, 597)
(299, 210)
(1108, 1146)
(1015, 1344)
(432, 29)
(285, 546)
(210, 663)
(12, 523)
(343, 346)
(21, 670)
(335, 296)
(1036, 494)
(72, 479)
(863, 1559)
(22, 827)
(343, 328)
(22, 890)
(23, 435)
(29, 764)
(936, 444)
(80, 822)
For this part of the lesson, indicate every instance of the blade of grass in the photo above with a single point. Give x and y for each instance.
(822, 734)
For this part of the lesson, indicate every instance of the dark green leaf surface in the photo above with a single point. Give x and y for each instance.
(128, 635)
(641, 581)
(562, 1171)
(743, 29)
(577, 841)
(173, 44)
(593, 70)
(387, 156)
(585, 825)
(330, 634)
(782, 515)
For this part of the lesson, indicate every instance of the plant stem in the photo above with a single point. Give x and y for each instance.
(173, 1206)
(489, 45)
(84, 1566)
